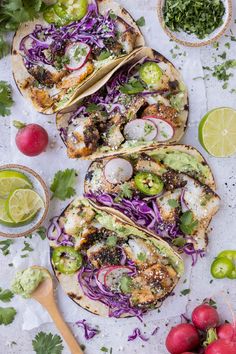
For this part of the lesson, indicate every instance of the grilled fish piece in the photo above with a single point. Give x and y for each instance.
(101, 255)
(141, 252)
(46, 77)
(76, 77)
(164, 112)
(127, 35)
(169, 214)
(82, 138)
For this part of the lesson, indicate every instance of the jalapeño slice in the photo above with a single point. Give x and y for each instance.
(148, 183)
(150, 73)
(66, 259)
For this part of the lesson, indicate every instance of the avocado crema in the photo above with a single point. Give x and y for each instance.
(26, 281)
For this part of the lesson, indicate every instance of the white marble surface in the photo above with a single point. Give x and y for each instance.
(204, 95)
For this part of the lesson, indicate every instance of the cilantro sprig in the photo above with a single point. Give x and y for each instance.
(63, 184)
(47, 343)
(188, 224)
(132, 87)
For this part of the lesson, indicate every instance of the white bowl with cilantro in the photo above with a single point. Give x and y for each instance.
(192, 25)
(24, 201)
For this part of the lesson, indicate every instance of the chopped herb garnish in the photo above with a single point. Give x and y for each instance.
(27, 247)
(104, 55)
(111, 241)
(44, 343)
(92, 107)
(104, 349)
(188, 225)
(6, 295)
(179, 241)
(5, 246)
(199, 17)
(6, 100)
(185, 292)
(7, 315)
(140, 22)
(173, 203)
(132, 87)
(42, 232)
(125, 284)
(142, 257)
(63, 184)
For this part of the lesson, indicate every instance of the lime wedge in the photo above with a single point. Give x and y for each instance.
(23, 204)
(217, 132)
(4, 218)
(11, 180)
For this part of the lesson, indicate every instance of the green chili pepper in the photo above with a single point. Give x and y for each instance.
(148, 183)
(150, 73)
(222, 267)
(231, 255)
(66, 259)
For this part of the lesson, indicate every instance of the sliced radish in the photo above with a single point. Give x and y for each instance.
(140, 129)
(118, 170)
(101, 274)
(77, 53)
(114, 274)
(165, 131)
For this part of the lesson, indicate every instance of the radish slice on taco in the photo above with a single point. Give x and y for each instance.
(171, 193)
(144, 104)
(108, 267)
(70, 47)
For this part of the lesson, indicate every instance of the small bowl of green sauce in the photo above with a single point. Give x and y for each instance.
(195, 23)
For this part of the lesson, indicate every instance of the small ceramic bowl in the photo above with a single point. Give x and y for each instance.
(191, 40)
(40, 187)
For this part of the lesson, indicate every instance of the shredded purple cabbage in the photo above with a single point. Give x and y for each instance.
(57, 234)
(137, 334)
(89, 332)
(44, 43)
(145, 213)
(117, 303)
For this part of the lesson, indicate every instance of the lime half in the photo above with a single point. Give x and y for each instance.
(11, 180)
(23, 204)
(217, 132)
(4, 218)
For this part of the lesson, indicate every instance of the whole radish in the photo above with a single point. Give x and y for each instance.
(205, 317)
(31, 139)
(227, 331)
(221, 346)
(181, 338)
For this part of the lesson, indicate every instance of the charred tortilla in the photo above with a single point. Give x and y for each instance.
(123, 272)
(130, 112)
(169, 191)
(41, 54)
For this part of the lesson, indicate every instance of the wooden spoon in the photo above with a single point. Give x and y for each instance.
(44, 294)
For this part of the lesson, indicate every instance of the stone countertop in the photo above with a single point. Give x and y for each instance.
(206, 92)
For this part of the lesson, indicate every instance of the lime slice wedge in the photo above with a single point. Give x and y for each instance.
(12, 180)
(23, 204)
(217, 132)
(4, 218)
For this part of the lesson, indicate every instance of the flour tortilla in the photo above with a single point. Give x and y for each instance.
(21, 74)
(71, 285)
(63, 116)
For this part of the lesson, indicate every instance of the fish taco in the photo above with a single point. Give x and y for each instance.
(169, 191)
(144, 104)
(108, 267)
(69, 48)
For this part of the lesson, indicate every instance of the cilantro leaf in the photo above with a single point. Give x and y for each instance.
(111, 240)
(44, 343)
(5, 246)
(4, 47)
(104, 349)
(173, 203)
(140, 22)
(6, 100)
(185, 292)
(7, 315)
(104, 55)
(179, 241)
(92, 107)
(126, 191)
(42, 232)
(132, 87)
(63, 184)
(6, 295)
(188, 224)
(142, 256)
(14, 12)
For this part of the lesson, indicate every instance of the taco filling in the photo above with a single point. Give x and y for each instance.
(60, 56)
(142, 104)
(165, 197)
(116, 265)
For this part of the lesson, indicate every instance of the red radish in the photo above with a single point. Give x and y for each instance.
(31, 139)
(165, 131)
(78, 54)
(140, 129)
(114, 274)
(118, 170)
(205, 317)
(227, 331)
(181, 338)
(221, 346)
(101, 275)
